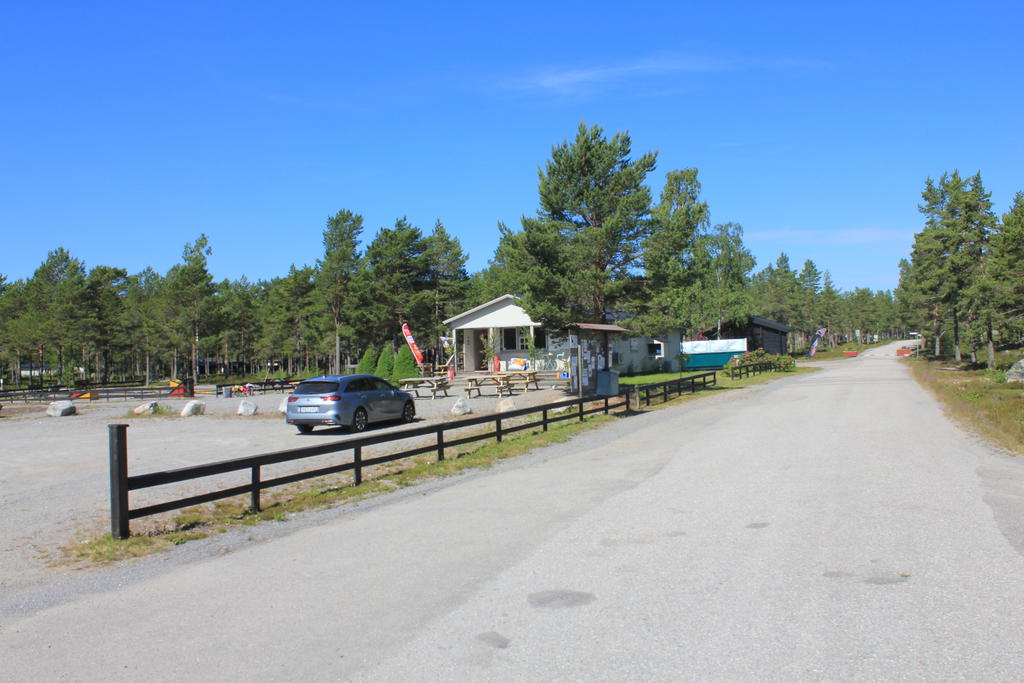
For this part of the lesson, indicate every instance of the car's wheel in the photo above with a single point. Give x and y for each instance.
(304, 429)
(408, 412)
(359, 420)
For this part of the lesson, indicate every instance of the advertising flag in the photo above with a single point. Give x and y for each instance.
(412, 343)
(817, 338)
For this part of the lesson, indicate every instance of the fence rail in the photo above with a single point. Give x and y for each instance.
(100, 394)
(647, 391)
(122, 484)
(740, 371)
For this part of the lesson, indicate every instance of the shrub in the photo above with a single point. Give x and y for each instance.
(405, 364)
(385, 363)
(368, 363)
(780, 363)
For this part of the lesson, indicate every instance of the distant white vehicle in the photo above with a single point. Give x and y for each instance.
(914, 335)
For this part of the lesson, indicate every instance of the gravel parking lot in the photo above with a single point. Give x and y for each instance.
(54, 480)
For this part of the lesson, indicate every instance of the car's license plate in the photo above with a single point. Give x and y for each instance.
(310, 409)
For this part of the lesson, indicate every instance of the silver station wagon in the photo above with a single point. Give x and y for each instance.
(352, 401)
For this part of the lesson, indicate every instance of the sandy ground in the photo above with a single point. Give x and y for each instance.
(54, 477)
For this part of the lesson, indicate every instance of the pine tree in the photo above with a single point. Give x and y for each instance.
(1006, 271)
(337, 270)
(574, 261)
(669, 276)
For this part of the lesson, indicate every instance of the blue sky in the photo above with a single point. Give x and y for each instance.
(127, 129)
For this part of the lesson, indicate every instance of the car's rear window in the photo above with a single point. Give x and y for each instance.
(316, 388)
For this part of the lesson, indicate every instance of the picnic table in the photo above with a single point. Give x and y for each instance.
(503, 382)
(436, 383)
(521, 377)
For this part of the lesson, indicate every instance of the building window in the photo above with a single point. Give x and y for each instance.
(518, 338)
(508, 338)
(655, 349)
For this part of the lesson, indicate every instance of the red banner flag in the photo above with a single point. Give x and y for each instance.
(412, 343)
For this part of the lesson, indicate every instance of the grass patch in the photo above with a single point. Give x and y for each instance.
(161, 411)
(980, 400)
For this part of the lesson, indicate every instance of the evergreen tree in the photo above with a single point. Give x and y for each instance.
(385, 363)
(959, 223)
(405, 364)
(393, 285)
(337, 271)
(188, 298)
(368, 363)
(574, 261)
(722, 267)
(1006, 271)
(446, 278)
(668, 258)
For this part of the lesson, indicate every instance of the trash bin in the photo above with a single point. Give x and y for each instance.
(607, 382)
(227, 392)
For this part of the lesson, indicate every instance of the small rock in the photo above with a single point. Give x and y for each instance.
(247, 408)
(283, 406)
(60, 409)
(505, 405)
(193, 408)
(1016, 372)
(146, 408)
(461, 407)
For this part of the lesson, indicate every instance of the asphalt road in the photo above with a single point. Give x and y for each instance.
(831, 526)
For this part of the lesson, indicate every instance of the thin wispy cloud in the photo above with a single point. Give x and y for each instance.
(568, 81)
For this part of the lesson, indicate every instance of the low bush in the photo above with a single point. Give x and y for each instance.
(779, 363)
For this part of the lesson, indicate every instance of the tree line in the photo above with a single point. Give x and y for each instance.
(963, 285)
(598, 249)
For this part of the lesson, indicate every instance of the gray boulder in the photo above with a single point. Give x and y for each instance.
(505, 405)
(461, 407)
(146, 408)
(1016, 372)
(193, 408)
(60, 409)
(247, 408)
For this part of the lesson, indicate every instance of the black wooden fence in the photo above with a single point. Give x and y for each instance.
(740, 371)
(121, 484)
(676, 386)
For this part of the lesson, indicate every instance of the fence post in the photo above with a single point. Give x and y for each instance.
(254, 494)
(605, 405)
(581, 409)
(118, 436)
(440, 444)
(357, 458)
(497, 429)
(544, 419)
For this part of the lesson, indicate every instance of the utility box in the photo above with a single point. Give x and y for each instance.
(607, 382)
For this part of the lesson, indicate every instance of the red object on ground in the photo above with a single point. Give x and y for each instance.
(903, 352)
(497, 364)
(849, 354)
(451, 373)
